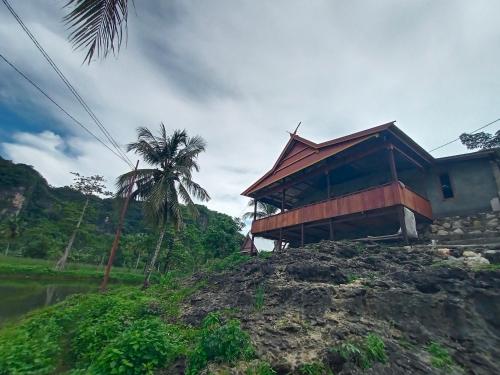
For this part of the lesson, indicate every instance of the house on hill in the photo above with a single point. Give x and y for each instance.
(377, 182)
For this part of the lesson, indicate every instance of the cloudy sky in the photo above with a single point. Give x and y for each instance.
(242, 73)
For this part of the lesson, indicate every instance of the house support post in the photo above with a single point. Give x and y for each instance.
(301, 235)
(330, 223)
(280, 242)
(252, 252)
(392, 163)
(328, 188)
(283, 197)
(402, 223)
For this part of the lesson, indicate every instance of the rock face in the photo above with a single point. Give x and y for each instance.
(325, 294)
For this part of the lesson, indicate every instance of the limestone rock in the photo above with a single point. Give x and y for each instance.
(446, 225)
(476, 231)
(457, 224)
(476, 261)
(443, 252)
(434, 228)
(458, 231)
(490, 216)
(476, 224)
(469, 254)
(442, 232)
(492, 223)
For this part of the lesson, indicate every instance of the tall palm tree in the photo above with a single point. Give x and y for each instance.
(173, 158)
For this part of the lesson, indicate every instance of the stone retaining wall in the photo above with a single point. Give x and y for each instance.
(485, 224)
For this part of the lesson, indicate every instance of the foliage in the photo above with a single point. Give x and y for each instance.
(365, 353)
(482, 140)
(223, 264)
(259, 297)
(260, 368)
(219, 342)
(263, 210)
(142, 347)
(440, 358)
(314, 368)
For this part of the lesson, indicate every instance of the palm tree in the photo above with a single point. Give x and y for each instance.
(263, 210)
(173, 159)
(97, 25)
(11, 231)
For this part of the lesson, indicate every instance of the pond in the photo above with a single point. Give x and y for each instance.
(17, 297)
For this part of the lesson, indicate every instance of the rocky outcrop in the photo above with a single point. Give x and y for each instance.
(300, 303)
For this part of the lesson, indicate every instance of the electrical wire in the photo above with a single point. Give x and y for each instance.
(472, 132)
(58, 106)
(67, 83)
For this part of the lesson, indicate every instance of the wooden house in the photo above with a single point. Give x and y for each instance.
(377, 182)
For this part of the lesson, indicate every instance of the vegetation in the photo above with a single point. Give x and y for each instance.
(365, 353)
(314, 368)
(481, 140)
(48, 215)
(123, 332)
(440, 358)
(259, 297)
(174, 158)
(260, 368)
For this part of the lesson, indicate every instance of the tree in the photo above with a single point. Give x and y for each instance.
(11, 231)
(263, 210)
(173, 158)
(482, 140)
(97, 25)
(88, 186)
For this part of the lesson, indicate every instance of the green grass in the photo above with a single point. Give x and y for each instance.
(364, 353)
(25, 268)
(314, 368)
(440, 358)
(259, 297)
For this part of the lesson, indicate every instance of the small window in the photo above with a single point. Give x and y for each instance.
(446, 188)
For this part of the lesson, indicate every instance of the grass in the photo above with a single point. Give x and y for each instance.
(440, 358)
(364, 353)
(314, 368)
(259, 297)
(17, 267)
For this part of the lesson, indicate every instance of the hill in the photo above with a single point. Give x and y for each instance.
(36, 220)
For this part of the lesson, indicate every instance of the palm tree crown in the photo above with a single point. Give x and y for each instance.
(263, 210)
(174, 157)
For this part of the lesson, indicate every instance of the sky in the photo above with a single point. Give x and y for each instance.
(242, 73)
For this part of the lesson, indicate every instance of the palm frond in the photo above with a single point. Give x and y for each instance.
(98, 25)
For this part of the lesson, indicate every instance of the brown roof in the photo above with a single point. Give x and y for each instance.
(470, 155)
(300, 153)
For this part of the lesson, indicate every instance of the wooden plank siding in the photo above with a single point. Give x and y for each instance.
(384, 196)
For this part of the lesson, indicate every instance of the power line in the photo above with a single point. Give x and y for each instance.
(68, 84)
(58, 106)
(472, 132)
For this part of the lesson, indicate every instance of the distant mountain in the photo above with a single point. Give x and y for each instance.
(45, 216)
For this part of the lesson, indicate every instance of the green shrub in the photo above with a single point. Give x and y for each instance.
(260, 368)
(218, 342)
(365, 353)
(144, 346)
(440, 358)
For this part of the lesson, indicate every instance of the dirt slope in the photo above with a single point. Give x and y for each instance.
(300, 303)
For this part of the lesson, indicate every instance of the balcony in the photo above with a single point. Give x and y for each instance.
(380, 197)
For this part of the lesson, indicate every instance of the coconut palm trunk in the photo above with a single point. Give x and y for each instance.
(61, 263)
(153, 260)
(138, 259)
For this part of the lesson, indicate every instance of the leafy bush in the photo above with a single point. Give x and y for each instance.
(219, 342)
(144, 346)
(365, 353)
(440, 358)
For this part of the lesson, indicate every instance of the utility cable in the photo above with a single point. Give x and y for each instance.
(68, 84)
(58, 106)
(472, 132)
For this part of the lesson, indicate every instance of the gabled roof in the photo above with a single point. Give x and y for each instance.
(300, 153)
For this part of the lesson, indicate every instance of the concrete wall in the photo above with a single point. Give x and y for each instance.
(473, 184)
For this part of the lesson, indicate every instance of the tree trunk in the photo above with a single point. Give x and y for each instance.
(155, 256)
(7, 249)
(61, 263)
(137, 261)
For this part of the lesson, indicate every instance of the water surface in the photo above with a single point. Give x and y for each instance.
(17, 297)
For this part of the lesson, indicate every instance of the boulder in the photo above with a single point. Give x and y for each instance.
(476, 261)
(477, 224)
(469, 254)
(446, 225)
(492, 223)
(442, 232)
(443, 252)
(458, 231)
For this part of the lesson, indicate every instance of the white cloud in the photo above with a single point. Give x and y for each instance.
(242, 73)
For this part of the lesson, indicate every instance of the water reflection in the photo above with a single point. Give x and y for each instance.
(19, 297)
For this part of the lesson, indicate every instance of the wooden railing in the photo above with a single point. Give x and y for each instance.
(389, 195)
